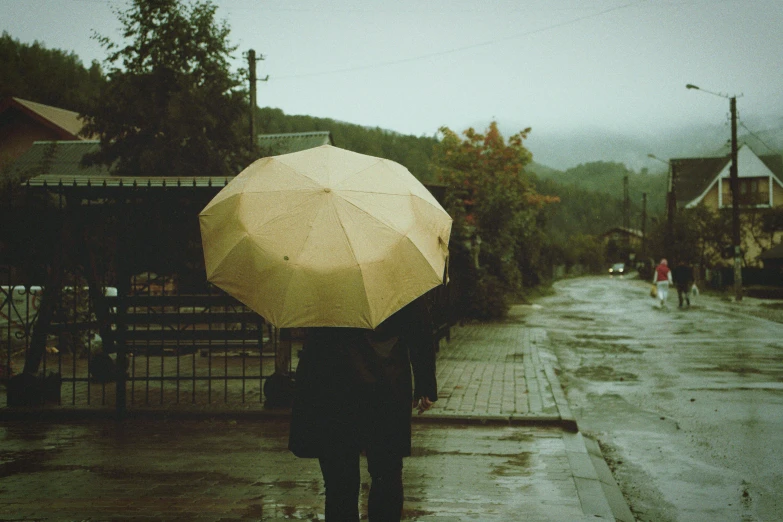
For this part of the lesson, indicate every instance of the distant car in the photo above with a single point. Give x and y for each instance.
(617, 269)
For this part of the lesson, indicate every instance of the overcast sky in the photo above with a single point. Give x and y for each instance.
(558, 66)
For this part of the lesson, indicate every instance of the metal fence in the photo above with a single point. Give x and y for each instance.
(154, 350)
(104, 304)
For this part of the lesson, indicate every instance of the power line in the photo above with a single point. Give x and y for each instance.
(460, 49)
(755, 136)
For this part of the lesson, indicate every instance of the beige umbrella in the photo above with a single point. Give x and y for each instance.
(325, 237)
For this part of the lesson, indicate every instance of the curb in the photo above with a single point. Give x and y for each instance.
(549, 365)
(599, 494)
(493, 420)
(77, 414)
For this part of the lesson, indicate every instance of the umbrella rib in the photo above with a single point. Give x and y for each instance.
(390, 171)
(354, 174)
(296, 256)
(375, 218)
(353, 254)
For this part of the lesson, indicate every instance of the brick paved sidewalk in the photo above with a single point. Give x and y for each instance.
(495, 372)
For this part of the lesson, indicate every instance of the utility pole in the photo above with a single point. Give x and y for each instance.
(735, 218)
(626, 216)
(251, 63)
(644, 226)
(671, 209)
(734, 183)
(671, 204)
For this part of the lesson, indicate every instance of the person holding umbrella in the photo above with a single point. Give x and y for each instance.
(347, 246)
(354, 394)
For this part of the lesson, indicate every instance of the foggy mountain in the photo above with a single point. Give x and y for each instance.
(562, 151)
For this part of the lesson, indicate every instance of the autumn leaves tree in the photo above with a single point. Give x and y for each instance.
(496, 211)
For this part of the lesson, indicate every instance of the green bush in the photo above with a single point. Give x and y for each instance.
(489, 298)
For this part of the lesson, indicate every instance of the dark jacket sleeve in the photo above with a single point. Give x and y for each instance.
(421, 341)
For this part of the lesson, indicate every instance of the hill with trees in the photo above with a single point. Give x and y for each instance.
(412, 151)
(604, 177)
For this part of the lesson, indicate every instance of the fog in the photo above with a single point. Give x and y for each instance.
(596, 80)
(567, 149)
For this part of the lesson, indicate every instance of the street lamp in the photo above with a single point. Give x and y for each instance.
(671, 205)
(734, 183)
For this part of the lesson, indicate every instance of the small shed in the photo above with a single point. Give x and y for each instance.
(621, 235)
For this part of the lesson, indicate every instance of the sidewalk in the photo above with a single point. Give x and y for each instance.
(494, 373)
(501, 445)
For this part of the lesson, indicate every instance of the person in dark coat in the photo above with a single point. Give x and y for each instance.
(354, 393)
(682, 275)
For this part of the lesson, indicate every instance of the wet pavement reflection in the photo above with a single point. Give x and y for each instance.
(242, 470)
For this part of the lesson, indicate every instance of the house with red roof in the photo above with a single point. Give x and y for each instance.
(24, 122)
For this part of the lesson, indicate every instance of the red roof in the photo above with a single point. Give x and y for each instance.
(67, 124)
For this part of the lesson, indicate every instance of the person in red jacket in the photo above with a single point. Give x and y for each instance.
(662, 278)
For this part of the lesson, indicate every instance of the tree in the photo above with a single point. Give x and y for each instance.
(762, 229)
(495, 208)
(702, 236)
(581, 211)
(48, 76)
(171, 105)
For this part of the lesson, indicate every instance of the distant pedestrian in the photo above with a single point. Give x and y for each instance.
(661, 279)
(683, 281)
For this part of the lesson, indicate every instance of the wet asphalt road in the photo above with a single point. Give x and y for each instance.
(686, 403)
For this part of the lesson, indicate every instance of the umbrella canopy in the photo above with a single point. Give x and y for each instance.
(325, 237)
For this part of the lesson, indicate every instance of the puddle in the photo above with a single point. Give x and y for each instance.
(602, 346)
(604, 373)
(601, 337)
(16, 462)
(577, 317)
(515, 465)
(418, 451)
(517, 437)
(733, 369)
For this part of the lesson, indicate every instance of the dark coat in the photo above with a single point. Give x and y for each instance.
(354, 386)
(682, 275)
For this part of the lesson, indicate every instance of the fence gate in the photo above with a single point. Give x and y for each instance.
(104, 304)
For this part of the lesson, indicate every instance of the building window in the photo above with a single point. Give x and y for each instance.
(752, 191)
